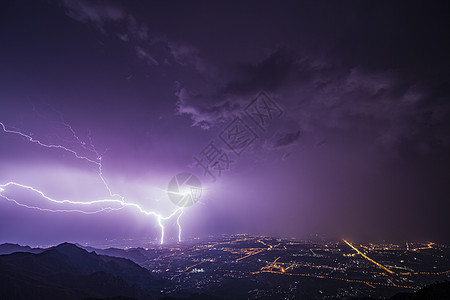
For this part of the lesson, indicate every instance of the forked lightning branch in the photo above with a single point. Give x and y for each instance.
(186, 192)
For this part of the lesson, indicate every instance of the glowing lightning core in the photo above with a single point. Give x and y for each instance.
(116, 199)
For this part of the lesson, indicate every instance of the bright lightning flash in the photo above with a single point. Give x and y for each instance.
(115, 202)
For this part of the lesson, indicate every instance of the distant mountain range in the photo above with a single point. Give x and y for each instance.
(137, 255)
(8, 248)
(70, 272)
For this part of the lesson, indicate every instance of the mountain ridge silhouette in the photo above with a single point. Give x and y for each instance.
(67, 271)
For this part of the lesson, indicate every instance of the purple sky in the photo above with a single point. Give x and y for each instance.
(361, 151)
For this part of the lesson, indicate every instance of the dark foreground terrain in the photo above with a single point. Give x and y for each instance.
(228, 267)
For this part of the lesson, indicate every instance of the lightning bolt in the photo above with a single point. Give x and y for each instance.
(179, 225)
(115, 199)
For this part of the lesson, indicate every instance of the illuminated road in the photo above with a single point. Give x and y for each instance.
(250, 254)
(368, 258)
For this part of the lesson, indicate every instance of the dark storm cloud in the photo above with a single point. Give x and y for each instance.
(113, 20)
(321, 94)
(91, 11)
(110, 19)
(284, 139)
(206, 110)
(101, 14)
(270, 74)
(142, 54)
(356, 83)
(188, 55)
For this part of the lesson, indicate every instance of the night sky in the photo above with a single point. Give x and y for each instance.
(359, 148)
